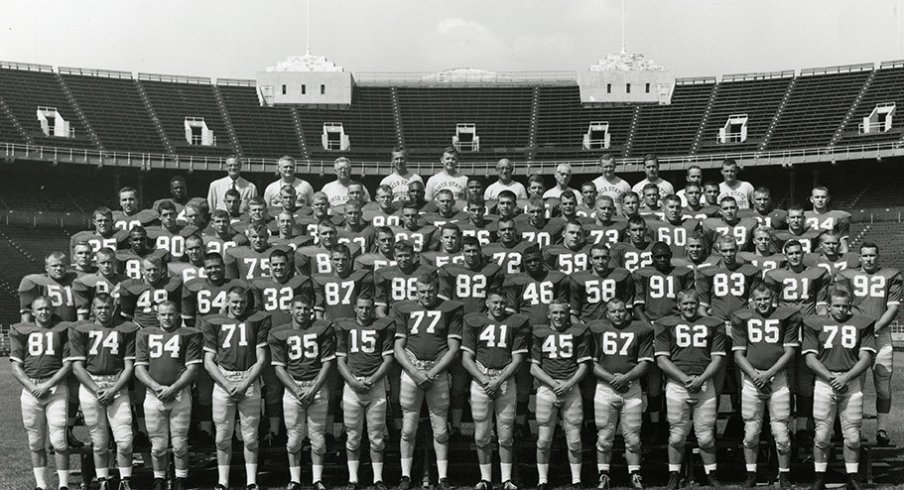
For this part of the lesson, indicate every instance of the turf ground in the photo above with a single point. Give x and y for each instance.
(15, 470)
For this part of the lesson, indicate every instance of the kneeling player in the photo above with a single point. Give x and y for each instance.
(167, 359)
(560, 358)
(494, 346)
(303, 355)
(765, 339)
(690, 349)
(38, 353)
(624, 352)
(839, 348)
(364, 351)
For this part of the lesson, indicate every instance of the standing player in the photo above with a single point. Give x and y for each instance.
(494, 346)
(398, 282)
(876, 292)
(696, 253)
(167, 359)
(317, 259)
(128, 262)
(764, 345)
(424, 237)
(590, 290)
(449, 251)
(609, 184)
(731, 186)
(447, 178)
(729, 224)
(193, 266)
(303, 354)
(335, 293)
(82, 259)
(221, 236)
(56, 283)
(250, 261)
(364, 352)
(822, 218)
(427, 339)
(400, 177)
(604, 228)
(762, 256)
(509, 248)
(105, 280)
(131, 215)
(693, 206)
(674, 227)
(764, 210)
(102, 352)
(383, 255)
(635, 252)
(274, 294)
(39, 355)
(139, 298)
(560, 358)
(536, 227)
(829, 255)
(623, 353)
(443, 209)
(235, 352)
(690, 349)
(573, 254)
(356, 230)
(384, 211)
(170, 235)
(725, 287)
(288, 234)
(477, 224)
(797, 230)
(839, 348)
(103, 235)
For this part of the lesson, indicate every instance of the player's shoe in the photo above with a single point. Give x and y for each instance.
(159, 484)
(405, 483)
(252, 486)
(73, 441)
(674, 481)
(853, 483)
(219, 487)
(784, 480)
(636, 481)
(882, 438)
(293, 485)
(483, 485)
(603, 482)
(103, 484)
(125, 484)
(712, 481)
(318, 485)
(750, 481)
(352, 486)
(510, 485)
(179, 484)
(819, 482)
(443, 484)
(543, 486)
(379, 485)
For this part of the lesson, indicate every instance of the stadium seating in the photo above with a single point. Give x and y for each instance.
(115, 110)
(262, 132)
(887, 86)
(817, 106)
(671, 129)
(369, 122)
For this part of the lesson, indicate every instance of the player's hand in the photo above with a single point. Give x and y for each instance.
(166, 394)
(105, 397)
(307, 397)
(491, 387)
(760, 380)
(839, 382)
(361, 386)
(41, 390)
(693, 384)
(620, 383)
(237, 390)
(423, 379)
(561, 388)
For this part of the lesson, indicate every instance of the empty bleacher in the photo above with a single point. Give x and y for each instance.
(8, 131)
(562, 122)
(174, 99)
(758, 96)
(114, 108)
(887, 86)
(262, 132)
(671, 129)
(368, 122)
(24, 88)
(818, 103)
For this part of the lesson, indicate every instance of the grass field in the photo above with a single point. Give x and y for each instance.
(16, 473)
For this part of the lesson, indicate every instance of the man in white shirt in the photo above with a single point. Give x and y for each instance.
(400, 177)
(694, 176)
(216, 194)
(741, 190)
(447, 178)
(505, 169)
(651, 168)
(337, 190)
(563, 177)
(609, 184)
(303, 189)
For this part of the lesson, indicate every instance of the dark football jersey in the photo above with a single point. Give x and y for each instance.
(104, 350)
(145, 218)
(41, 351)
(763, 339)
(561, 258)
(531, 297)
(86, 287)
(423, 239)
(590, 292)
(545, 235)
(167, 354)
(809, 239)
(874, 293)
(846, 261)
(619, 350)
(246, 263)
(493, 342)
(377, 217)
(629, 256)
(836, 344)
(276, 298)
(172, 242)
(303, 351)
(763, 263)
(316, 259)
(186, 270)
(675, 235)
(468, 286)
(777, 219)
(690, 344)
(705, 211)
(559, 353)
(216, 244)
(439, 258)
(138, 300)
(484, 232)
(609, 234)
(741, 231)
(309, 223)
(363, 239)
(726, 290)
(364, 346)
(801, 290)
(336, 296)
(234, 341)
(427, 330)
(373, 261)
(438, 220)
(294, 243)
(128, 263)
(392, 285)
(61, 294)
(835, 219)
(508, 258)
(657, 292)
(200, 297)
(119, 239)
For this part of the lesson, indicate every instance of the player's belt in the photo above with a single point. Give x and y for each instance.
(234, 375)
(425, 365)
(492, 373)
(38, 381)
(304, 383)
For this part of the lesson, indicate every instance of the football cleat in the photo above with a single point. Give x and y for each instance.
(784, 480)
(179, 484)
(712, 481)
(318, 485)
(674, 481)
(483, 485)
(603, 483)
(352, 486)
(294, 485)
(443, 484)
(379, 485)
(405, 483)
(125, 484)
(819, 482)
(510, 485)
(882, 438)
(543, 486)
(252, 486)
(103, 484)
(219, 487)
(853, 483)
(159, 484)
(750, 481)
(636, 481)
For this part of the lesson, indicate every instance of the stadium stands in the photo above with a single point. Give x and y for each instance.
(887, 87)
(670, 129)
(262, 132)
(369, 122)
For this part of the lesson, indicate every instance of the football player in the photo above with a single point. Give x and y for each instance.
(725, 287)
(304, 352)
(170, 235)
(356, 230)
(797, 230)
(39, 355)
(494, 346)
(573, 254)
(696, 254)
(478, 225)
(762, 256)
(102, 352)
(257, 215)
(829, 255)
(694, 208)
(384, 210)
(634, 253)
(287, 233)
(364, 353)
(838, 348)
(235, 352)
(623, 353)
(193, 267)
(568, 205)
(509, 249)
(383, 255)
(449, 251)
(139, 297)
(55, 283)
(651, 205)
(83, 259)
(590, 290)
(822, 218)
(317, 259)
(221, 236)
(416, 193)
(604, 228)
(443, 210)
(560, 358)
(398, 282)
(428, 336)
(103, 234)
(320, 211)
(692, 175)
(876, 291)
(674, 228)
(424, 237)
(105, 280)
(128, 262)
(131, 215)
(764, 210)
(335, 292)
(167, 359)
(253, 260)
(730, 224)
(690, 349)
(537, 228)
(587, 207)
(764, 346)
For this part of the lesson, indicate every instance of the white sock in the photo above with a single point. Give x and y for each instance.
(575, 473)
(40, 477)
(784, 470)
(125, 472)
(250, 473)
(295, 474)
(159, 474)
(852, 468)
(63, 476)
(102, 473)
(709, 468)
(506, 471)
(378, 471)
(353, 471)
(316, 473)
(674, 468)
(542, 473)
(486, 472)
(406, 467)
(181, 473)
(442, 468)
(751, 468)
(633, 468)
(223, 475)
(820, 467)
(600, 467)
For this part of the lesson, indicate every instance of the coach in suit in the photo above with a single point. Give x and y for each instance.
(216, 195)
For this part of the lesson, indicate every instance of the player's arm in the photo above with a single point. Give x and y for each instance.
(78, 369)
(124, 376)
(468, 362)
(663, 359)
(540, 375)
(583, 369)
(703, 285)
(401, 357)
(444, 362)
(28, 291)
(381, 295)
(891, 308)
(210, 365)
(601, 373)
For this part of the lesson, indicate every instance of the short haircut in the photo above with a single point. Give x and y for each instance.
(258, 228)
(287, 188)
(232, 193)
(279, 254)
(258, 201)
(320, 196)
(763, 190)
(729, 162)
(687, 294)
(287, 158)
(762, 287)
(727, 199)
(726, 239)
(792, 243)
(385, 189)
(600, 246)
(105, 298)
(127, 189)
(166, 205)
(470, 241)
(385, 230)
(451, 150)
(103, 211)
(55, 256)
(535, 178)
(569, 194)
(399, 149)
(651, 157)
(650, 186)
(869, 245)
(169, 304)
(426, 278)
(507, 194)
(450, 226)
(240, 290)
(106, 252)
(607, 157)
(177, 178)
(403, 246)
(637, 220)
(671, 198)
(446, 192)
(341, 249)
